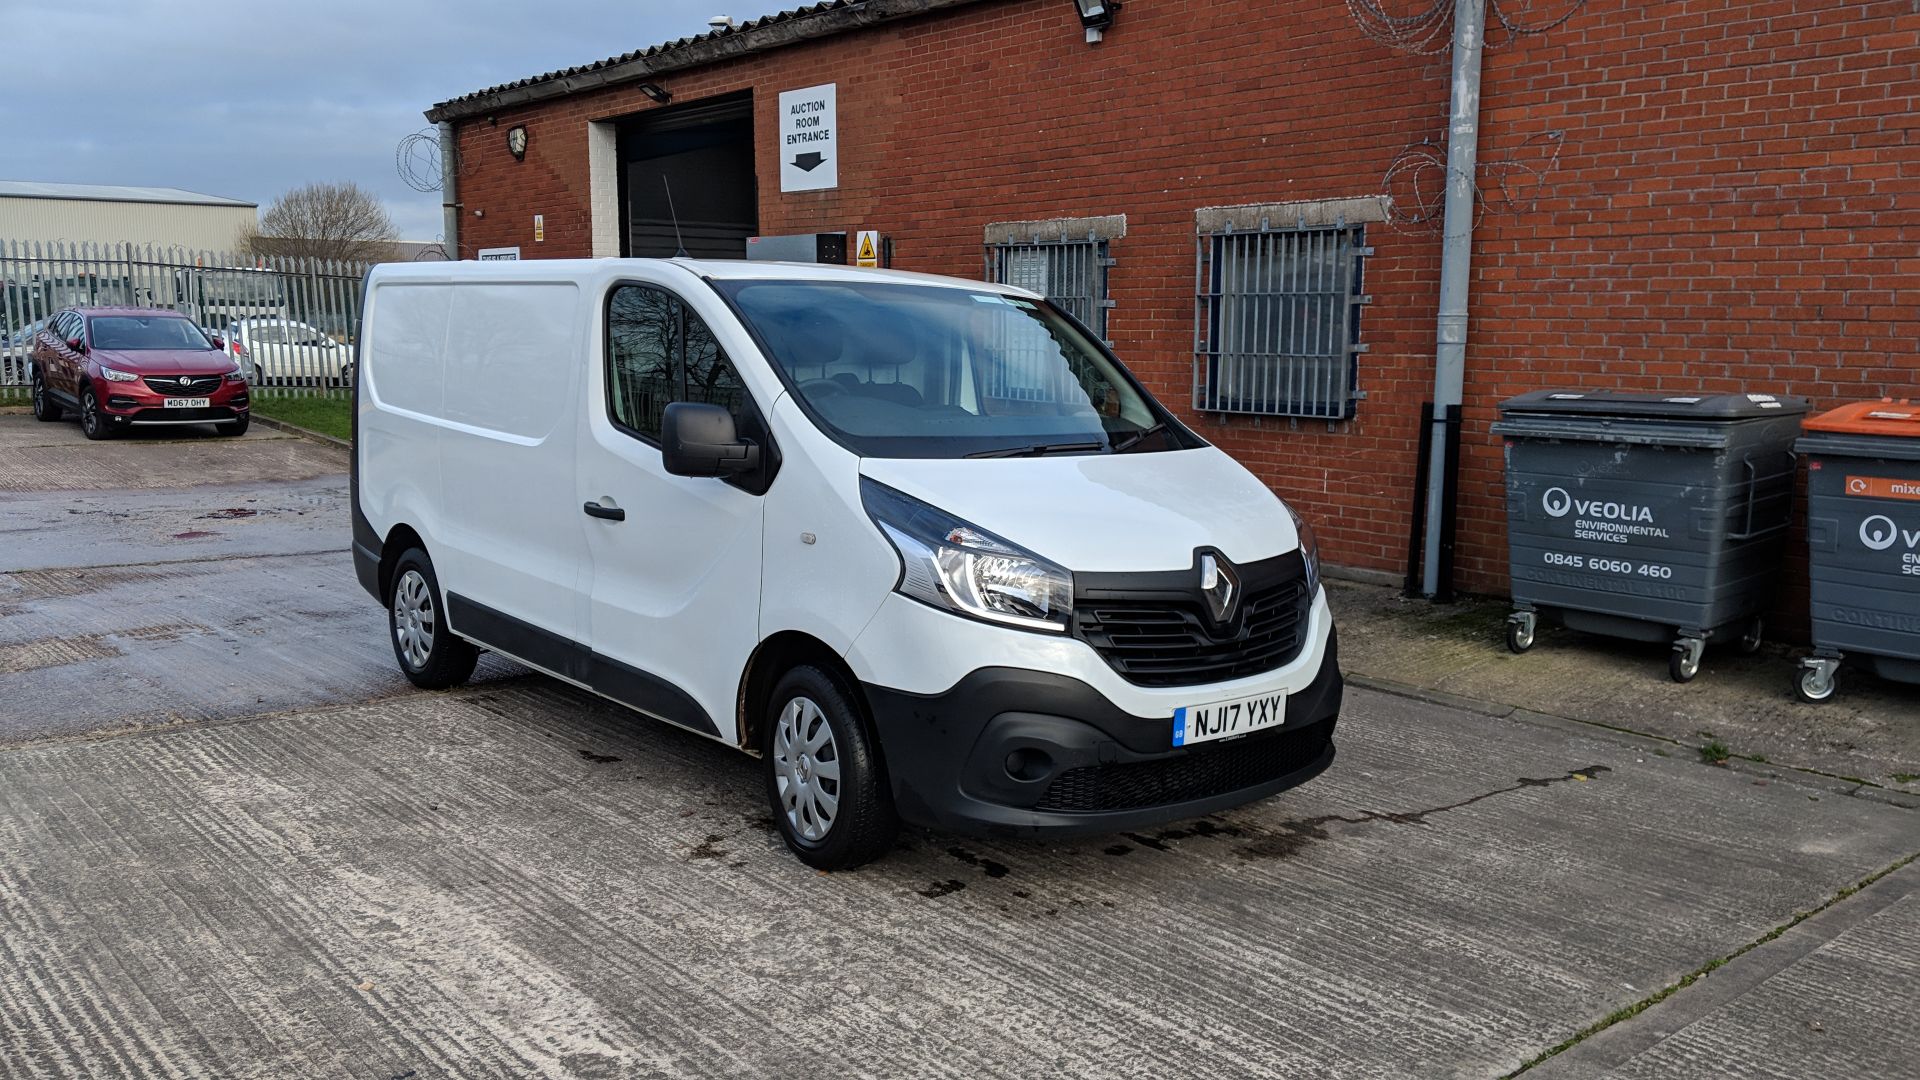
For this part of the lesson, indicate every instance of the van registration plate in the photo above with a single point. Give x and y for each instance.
(187, 403)
(1225, 719)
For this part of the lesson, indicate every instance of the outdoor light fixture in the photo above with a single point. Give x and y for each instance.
(1096, 16)
(659, 94)
(517, 142)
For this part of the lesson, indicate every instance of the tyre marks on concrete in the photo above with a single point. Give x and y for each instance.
(89, 649)
(521, 880)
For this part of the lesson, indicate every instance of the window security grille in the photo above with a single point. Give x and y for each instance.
(1277, 327)
(1072, 275)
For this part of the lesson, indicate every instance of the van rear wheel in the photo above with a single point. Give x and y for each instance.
(430, 656)
(829, 798)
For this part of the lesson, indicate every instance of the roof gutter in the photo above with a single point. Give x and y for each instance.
(700, 52)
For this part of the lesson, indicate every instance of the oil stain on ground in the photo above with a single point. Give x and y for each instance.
(991, 868)
(1292, 836)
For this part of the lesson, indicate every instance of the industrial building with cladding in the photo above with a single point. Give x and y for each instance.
(1246, 198)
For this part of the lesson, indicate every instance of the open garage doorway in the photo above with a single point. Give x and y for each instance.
(704, 152)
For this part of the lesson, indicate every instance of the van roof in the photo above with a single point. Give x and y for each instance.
(584, 270)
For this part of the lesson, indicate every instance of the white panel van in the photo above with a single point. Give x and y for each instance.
(921, 545)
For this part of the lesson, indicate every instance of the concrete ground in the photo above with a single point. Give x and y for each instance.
(1869, 732)
(233, 842)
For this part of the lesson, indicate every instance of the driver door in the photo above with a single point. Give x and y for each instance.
(675, 583)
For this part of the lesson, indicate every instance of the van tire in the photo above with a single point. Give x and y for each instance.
(436, 659)
(862, 825)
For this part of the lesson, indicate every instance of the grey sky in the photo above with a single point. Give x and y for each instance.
(247, 98)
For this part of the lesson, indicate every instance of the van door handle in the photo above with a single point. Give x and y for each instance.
(610, 513)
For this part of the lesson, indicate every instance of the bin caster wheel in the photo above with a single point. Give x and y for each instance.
(1683, 663)
(1750, 640)
(1814, 684)
(1520, 632)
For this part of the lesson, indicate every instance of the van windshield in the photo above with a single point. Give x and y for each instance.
(927, 371)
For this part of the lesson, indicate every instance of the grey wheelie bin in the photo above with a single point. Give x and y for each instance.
(1648, 517)
(1863, 539)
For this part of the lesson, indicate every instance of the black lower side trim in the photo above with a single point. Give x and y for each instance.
(1009, 751)
(563, 656)
(366, 566)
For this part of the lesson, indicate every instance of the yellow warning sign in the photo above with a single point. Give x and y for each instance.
(868, 252)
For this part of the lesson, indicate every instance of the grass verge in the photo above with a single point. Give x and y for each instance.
(325, 413)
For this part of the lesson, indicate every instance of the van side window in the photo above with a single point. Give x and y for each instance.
(659, 352)
(643, 348)
(710, 378)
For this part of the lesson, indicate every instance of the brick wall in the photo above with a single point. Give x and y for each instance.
(1733, 206)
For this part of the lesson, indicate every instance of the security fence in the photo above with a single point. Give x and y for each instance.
(290, 322)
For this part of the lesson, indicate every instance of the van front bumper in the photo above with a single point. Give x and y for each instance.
(1015, 752)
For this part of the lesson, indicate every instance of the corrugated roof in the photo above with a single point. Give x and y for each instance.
(754, 35)
(29, 189)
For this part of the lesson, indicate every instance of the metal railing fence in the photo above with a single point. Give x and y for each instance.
(291, 322)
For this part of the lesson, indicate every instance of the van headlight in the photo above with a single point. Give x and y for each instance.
(952, 564)
(1309, 551)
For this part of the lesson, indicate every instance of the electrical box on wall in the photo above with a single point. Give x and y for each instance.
(826, 247)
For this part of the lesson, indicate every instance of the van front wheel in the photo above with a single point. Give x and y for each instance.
(829, 800)
(430, 656)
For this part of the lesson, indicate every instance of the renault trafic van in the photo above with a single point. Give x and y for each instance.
(921, 545)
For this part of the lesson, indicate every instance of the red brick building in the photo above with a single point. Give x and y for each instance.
(1682, 195)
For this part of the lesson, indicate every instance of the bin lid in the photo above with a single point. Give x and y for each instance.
(1900, 419)
(1696, 407)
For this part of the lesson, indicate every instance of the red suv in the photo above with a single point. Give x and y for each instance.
(120, 366)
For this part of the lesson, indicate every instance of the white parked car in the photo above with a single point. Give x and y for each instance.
(282, 351)
(922, 545)
(16, 354)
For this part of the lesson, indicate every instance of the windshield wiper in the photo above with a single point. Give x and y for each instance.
(1041, 449)
(1134, 439)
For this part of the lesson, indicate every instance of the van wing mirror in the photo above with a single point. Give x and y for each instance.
(697, 439)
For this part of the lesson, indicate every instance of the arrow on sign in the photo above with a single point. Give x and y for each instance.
(809, 161)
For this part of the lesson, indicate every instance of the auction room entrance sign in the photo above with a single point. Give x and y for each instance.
(809, 139)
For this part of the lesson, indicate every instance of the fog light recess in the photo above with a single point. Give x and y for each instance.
(1028, 764)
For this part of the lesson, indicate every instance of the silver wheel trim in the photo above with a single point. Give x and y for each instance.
(806, 769)
(413, 619)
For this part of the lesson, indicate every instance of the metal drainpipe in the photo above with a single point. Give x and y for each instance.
(449, 191)
(1456, 261)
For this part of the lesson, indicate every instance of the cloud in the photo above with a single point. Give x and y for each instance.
(249, 99)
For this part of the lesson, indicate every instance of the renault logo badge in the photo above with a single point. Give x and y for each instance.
(1219, 585)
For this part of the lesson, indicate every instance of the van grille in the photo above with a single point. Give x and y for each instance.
(1202, 772)
(1162, 638)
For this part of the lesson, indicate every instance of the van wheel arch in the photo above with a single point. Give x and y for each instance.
(775, 657)
(400, 540)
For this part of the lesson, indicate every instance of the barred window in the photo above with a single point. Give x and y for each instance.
(1071, 274)
(1278, 322)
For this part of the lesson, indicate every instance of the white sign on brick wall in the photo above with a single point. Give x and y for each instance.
(809, 139)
